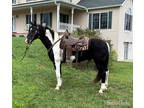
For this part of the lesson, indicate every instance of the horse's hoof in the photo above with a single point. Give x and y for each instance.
(100, 91)
(57, 88)
(106, 85)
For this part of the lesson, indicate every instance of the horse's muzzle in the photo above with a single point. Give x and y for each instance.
(26, 41)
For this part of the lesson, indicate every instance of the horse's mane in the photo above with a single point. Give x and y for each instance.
(45, 28)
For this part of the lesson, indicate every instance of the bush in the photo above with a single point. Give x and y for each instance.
(86, 32)
(94, 34)
(21, 36)
(13, 35)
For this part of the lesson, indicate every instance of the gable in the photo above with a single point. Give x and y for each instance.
(100, 3)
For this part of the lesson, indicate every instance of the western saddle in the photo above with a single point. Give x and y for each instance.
(70, 44)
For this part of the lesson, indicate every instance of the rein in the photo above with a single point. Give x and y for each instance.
(27, 47)
(55, 43)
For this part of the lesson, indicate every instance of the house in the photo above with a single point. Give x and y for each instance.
(112, 17)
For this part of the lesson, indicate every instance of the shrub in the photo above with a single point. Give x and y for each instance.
(21, 36)
(86, 32)
(13, 35)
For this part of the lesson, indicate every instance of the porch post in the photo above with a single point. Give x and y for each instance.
(58, 17)
(31, 11)
(72, 19)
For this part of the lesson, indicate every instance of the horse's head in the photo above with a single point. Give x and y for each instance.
(33, 33)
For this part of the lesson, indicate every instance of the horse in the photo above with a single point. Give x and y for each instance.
(98, 51)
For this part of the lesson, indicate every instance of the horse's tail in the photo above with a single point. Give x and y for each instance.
(98, 78)
(99, 75)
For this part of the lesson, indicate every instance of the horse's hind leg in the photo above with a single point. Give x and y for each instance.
(107, 75)
(101, 76)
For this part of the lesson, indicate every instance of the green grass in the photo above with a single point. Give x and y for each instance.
(34, 81)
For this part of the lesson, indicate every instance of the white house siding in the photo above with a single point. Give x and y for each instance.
(110, 34)
(81, 18)
(125, 36)
(21, 17)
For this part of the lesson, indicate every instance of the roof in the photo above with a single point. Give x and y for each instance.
(44, 3)
(93, 4)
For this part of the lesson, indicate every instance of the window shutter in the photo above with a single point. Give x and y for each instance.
(34, 18)
(110, 20)
(26, 19)
(131, 22)
(125, 21)
(41, 18)
(50, 19)
(90, 21)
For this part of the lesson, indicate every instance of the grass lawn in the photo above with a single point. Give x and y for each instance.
(34, 80)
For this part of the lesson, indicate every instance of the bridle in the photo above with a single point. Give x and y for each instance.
(36, 32)
(27, 46)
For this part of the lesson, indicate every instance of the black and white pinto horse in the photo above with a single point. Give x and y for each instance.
(98, 51)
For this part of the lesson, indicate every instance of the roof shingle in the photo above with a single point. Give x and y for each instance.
(100, 3)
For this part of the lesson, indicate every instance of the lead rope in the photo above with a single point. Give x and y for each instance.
(27, 47)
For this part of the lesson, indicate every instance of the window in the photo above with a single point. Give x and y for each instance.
(13, 23)
(13, 1)
(46, 18)
(128, 22)
(100, 20)
(28, 19)
(96, 21)
(64, 18)
(103, 21)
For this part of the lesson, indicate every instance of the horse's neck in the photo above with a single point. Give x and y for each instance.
(47, 43)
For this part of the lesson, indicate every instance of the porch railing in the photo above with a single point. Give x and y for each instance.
(70, 27)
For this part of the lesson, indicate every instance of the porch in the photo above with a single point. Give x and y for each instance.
(57, 15)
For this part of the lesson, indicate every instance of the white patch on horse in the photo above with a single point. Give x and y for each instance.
(107, 75)
(49, 35)
(72, 58)
(108, 47)
(57, 56)
(103, 87)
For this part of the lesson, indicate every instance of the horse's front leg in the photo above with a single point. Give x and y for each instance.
(58, 74)
(57, 62)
